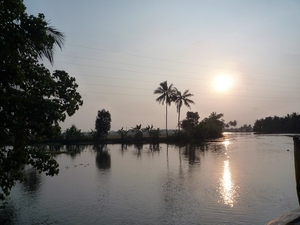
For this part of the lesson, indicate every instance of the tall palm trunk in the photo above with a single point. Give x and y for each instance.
(178, 119)
(167, 120)
(165, 97)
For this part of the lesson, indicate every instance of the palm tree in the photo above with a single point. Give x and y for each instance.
(59, 39)
(166, 92)
(180, 99)
(55, 37)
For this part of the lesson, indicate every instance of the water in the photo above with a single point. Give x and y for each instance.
(244, 179)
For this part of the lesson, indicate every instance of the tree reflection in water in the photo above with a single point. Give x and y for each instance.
(192, 153)
(123, 148)
(54, 148)
(74, 150)
(7, 214)
(138, 148)
(32, 180)
(154, 147)
(103, 160)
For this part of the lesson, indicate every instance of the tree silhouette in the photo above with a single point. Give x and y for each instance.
(138, 132)
(288, 124)
(212, 126)
(102, 124)
(33, 101)
(153, 133)
(181, 99)
(123, 133)
(166, 92)
(191, 120)
(73, 134)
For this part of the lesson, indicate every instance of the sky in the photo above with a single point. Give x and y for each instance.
(120, 51)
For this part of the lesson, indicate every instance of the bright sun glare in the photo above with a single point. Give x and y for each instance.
(222, 83)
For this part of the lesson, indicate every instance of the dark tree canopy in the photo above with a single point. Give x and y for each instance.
(102, 124)
(32, 100)
(190, 121)
(138, 132)
(232, 123)
(288, 124)
(212, 126)
(193, 130)
(72, 133)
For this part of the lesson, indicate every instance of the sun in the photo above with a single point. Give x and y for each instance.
(222, 83)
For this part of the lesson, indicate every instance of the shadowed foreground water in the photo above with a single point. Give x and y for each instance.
(245, 179)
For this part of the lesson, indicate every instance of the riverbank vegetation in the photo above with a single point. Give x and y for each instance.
(287, 124)
(190, 130)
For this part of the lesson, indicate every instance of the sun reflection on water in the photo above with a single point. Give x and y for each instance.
(227, 187)
(226, 143)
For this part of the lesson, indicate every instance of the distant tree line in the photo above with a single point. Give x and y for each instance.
(288, 124)
(191, 130)
(231, 124)
(231, 127)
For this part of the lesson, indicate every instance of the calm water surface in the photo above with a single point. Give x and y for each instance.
(244, 179)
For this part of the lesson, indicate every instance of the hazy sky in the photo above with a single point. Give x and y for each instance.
(120, 51)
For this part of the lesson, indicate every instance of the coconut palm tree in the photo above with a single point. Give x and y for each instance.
(166, 92)
(180, 99)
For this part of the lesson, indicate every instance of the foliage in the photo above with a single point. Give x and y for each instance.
(123, 133)
(138, 132)
(153, 133)
(231, 126)
(191, 120)
(148, 129)
(102, 124)
(32, 100)
(92, 135)
(245, 128)
(288, 124)
(73, 134)
(180, 136)
(232, 123)
(210, 127)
